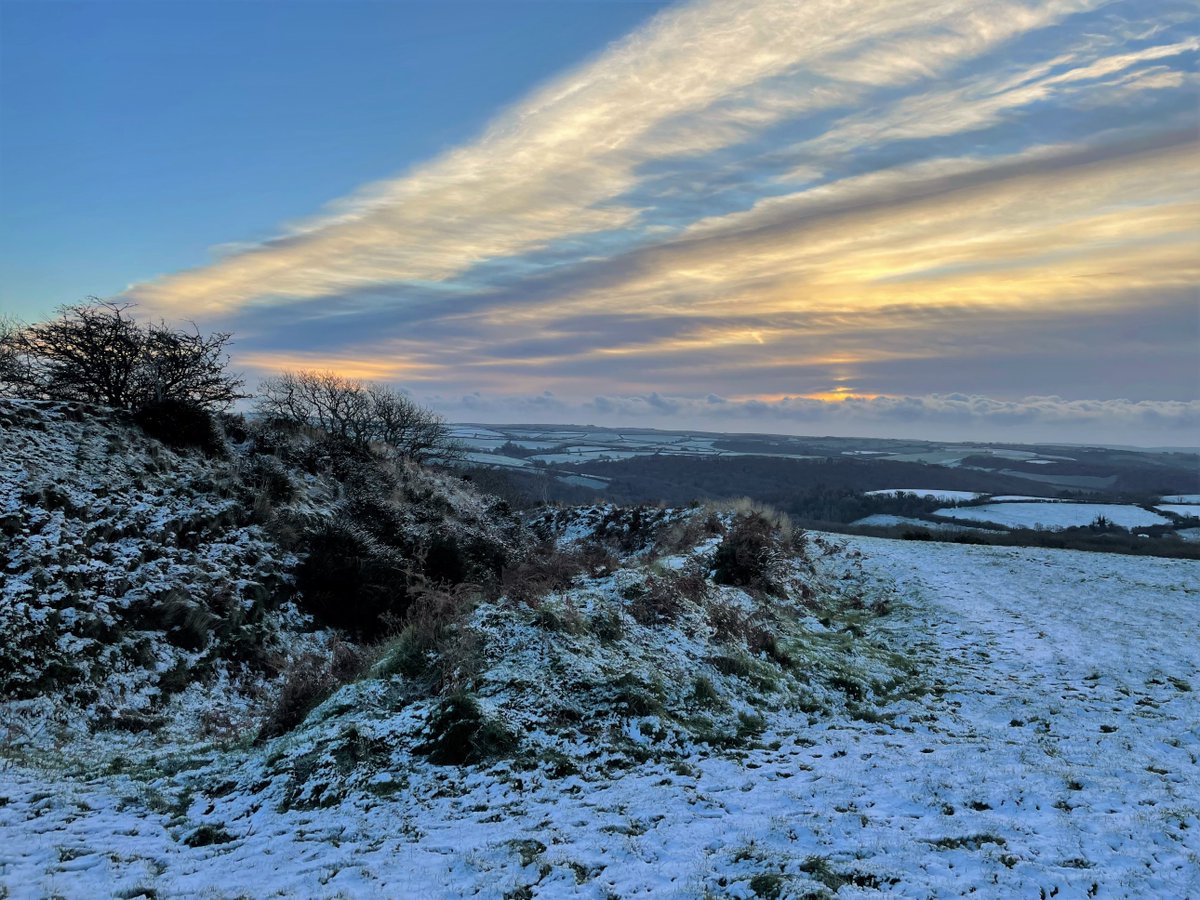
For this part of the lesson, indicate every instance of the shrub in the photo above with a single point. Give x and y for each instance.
(662, 598)
(268, 480)
(704, 692)
(349, 580)
(434, 641)
(544, 570)
(607, 626)
(181, 424)
(762, 640)
(635, 697)
(681, 535)
(595, 558)
(460, 734)
(628, 528)
(207, 835)
(444, 560)
(728, 622)
(752, 554)
(561, 616)
(308, 681)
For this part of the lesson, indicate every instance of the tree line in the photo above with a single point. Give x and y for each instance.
(99, 352)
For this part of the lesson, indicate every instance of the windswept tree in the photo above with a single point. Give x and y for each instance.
(358, 413)
(96, 352)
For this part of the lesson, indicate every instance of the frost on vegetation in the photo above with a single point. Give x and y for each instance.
(296, 624)
(124, 562)
(598, 701)
(616, 646)
(133, 573)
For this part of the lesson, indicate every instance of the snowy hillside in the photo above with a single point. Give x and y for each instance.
(620, 702)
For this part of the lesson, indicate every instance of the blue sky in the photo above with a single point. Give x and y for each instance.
(955, 218)
(138, 135)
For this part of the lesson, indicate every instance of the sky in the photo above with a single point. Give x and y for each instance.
(946, 219)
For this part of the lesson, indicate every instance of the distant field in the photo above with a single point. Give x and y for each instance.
(933, 493)
(1055, 515)
(882, 486)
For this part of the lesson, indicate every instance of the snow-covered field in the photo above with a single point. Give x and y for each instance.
(494, 459)
(935, 494)
(1054, 515)
(578, 455)
(1180, 509)
(1049, 745)
(887, 520)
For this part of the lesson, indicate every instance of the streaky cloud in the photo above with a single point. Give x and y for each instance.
(880, 199)
(690, 82)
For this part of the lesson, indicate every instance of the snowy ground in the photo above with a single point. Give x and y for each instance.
(1056, 515)
(1055, 749)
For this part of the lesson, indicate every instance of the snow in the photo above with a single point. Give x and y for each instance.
(1180, 509)
(1009, 498)
(1008, 454)
(585, 481)
(1054, 515)
(886, 520)
(933, 493)
(495, 459)
(1182, 498)
(577, 456)
(1054, 752)
(469, 431)
(1021, 721)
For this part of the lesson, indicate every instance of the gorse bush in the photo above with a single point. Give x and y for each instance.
(350, 580)
(754, 552)
(310, 679)
(181, 424)
(396, 535)
(461, 734)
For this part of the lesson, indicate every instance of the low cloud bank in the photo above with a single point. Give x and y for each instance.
(952, 416)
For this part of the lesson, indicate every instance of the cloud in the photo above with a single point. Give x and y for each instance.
(959, 412)
(699, 77)
(951, 416)
(760, 198)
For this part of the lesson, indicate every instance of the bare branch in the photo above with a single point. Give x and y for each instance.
(97, 353)
(356, 412)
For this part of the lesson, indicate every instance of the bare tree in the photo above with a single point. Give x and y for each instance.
(418, 433)
(97, 352)
(356, 412)
(324, 400)
(90, 353)
(10, 358)
(188, 365)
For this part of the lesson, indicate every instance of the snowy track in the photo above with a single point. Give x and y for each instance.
(1055, 751)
